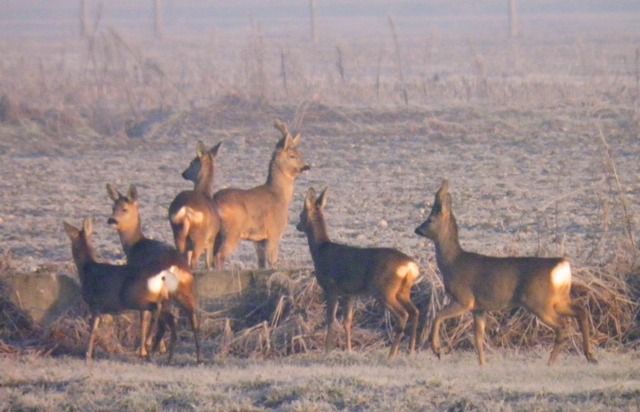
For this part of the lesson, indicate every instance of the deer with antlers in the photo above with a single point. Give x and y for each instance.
(347, 272)
(479, 284)
(260, 214)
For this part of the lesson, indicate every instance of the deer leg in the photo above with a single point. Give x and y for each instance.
(154, 324)
(187, 302)
(94, 322)
(551, 318)
(332, 308)
(261, 251)
(198, 248)
(581, 315)
(414, 315)
(162, 327)
(145, 322)
(208, 256)
(348, 319)
(453, 309)
(479, 323)
(180, 239)
(166, 319)
(398, 311)
(226, 244)
(273, 247)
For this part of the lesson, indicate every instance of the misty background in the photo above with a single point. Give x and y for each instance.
(60, 19)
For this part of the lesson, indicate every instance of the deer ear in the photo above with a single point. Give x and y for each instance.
(201, 150)
(446, 204)
(71, 231)
(442, 192)
(132, 194)
(87, 226)
(113, 193)
(444, 187)
(310, 199)
(280, 125)
(214, 149)
(295, 141)
(321, 202)
(288, 142)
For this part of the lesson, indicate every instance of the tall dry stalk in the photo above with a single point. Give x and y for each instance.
(403, 84)
(614, 173)
(638, 74)
(283, 73)
(339, 64)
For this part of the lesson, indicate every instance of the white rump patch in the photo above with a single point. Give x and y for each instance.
(409, 269)
(194, 215)
(171, 279)
(167, 280)
(561, 274)
(155, 284)
(179, 215)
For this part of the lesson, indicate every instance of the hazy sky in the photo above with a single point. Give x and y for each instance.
(59, 18)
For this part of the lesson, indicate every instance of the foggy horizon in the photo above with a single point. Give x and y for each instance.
(59, 19)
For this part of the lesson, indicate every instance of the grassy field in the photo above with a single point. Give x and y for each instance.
(512, 381)
(538, 136)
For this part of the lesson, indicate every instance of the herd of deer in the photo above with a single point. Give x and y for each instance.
(157, 275)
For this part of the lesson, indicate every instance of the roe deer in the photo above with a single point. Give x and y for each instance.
(110, 288)
(194, 222)
(348, 271)
(479, 283)
(150, 254)
(260, 214)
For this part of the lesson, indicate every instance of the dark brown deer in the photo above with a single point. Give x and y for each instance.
(260, 214)
(153, 255)
(479, 284)
(347, 272)
(112, 289)
(194, 222)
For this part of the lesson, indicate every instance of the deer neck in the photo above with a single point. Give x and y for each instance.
(205, 184)
(317, 235)
(83, 255)
(280, 182)
(448, 247)
(130, 237)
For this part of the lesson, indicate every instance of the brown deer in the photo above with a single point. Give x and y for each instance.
(260, 214)
(347, 272)
(112, 289)
(478, 283)
(153, 255)
(194, 222)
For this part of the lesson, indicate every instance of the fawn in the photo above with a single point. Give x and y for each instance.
(150, 254)
(478, 283)
(260, 214)
(110, 288)
(348, 271)
(194, 222)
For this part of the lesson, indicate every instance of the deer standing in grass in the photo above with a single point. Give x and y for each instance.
(194, 222)
(112, 289)
(260, 214)
(478, 283)
(150, 254)
(347, 272)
